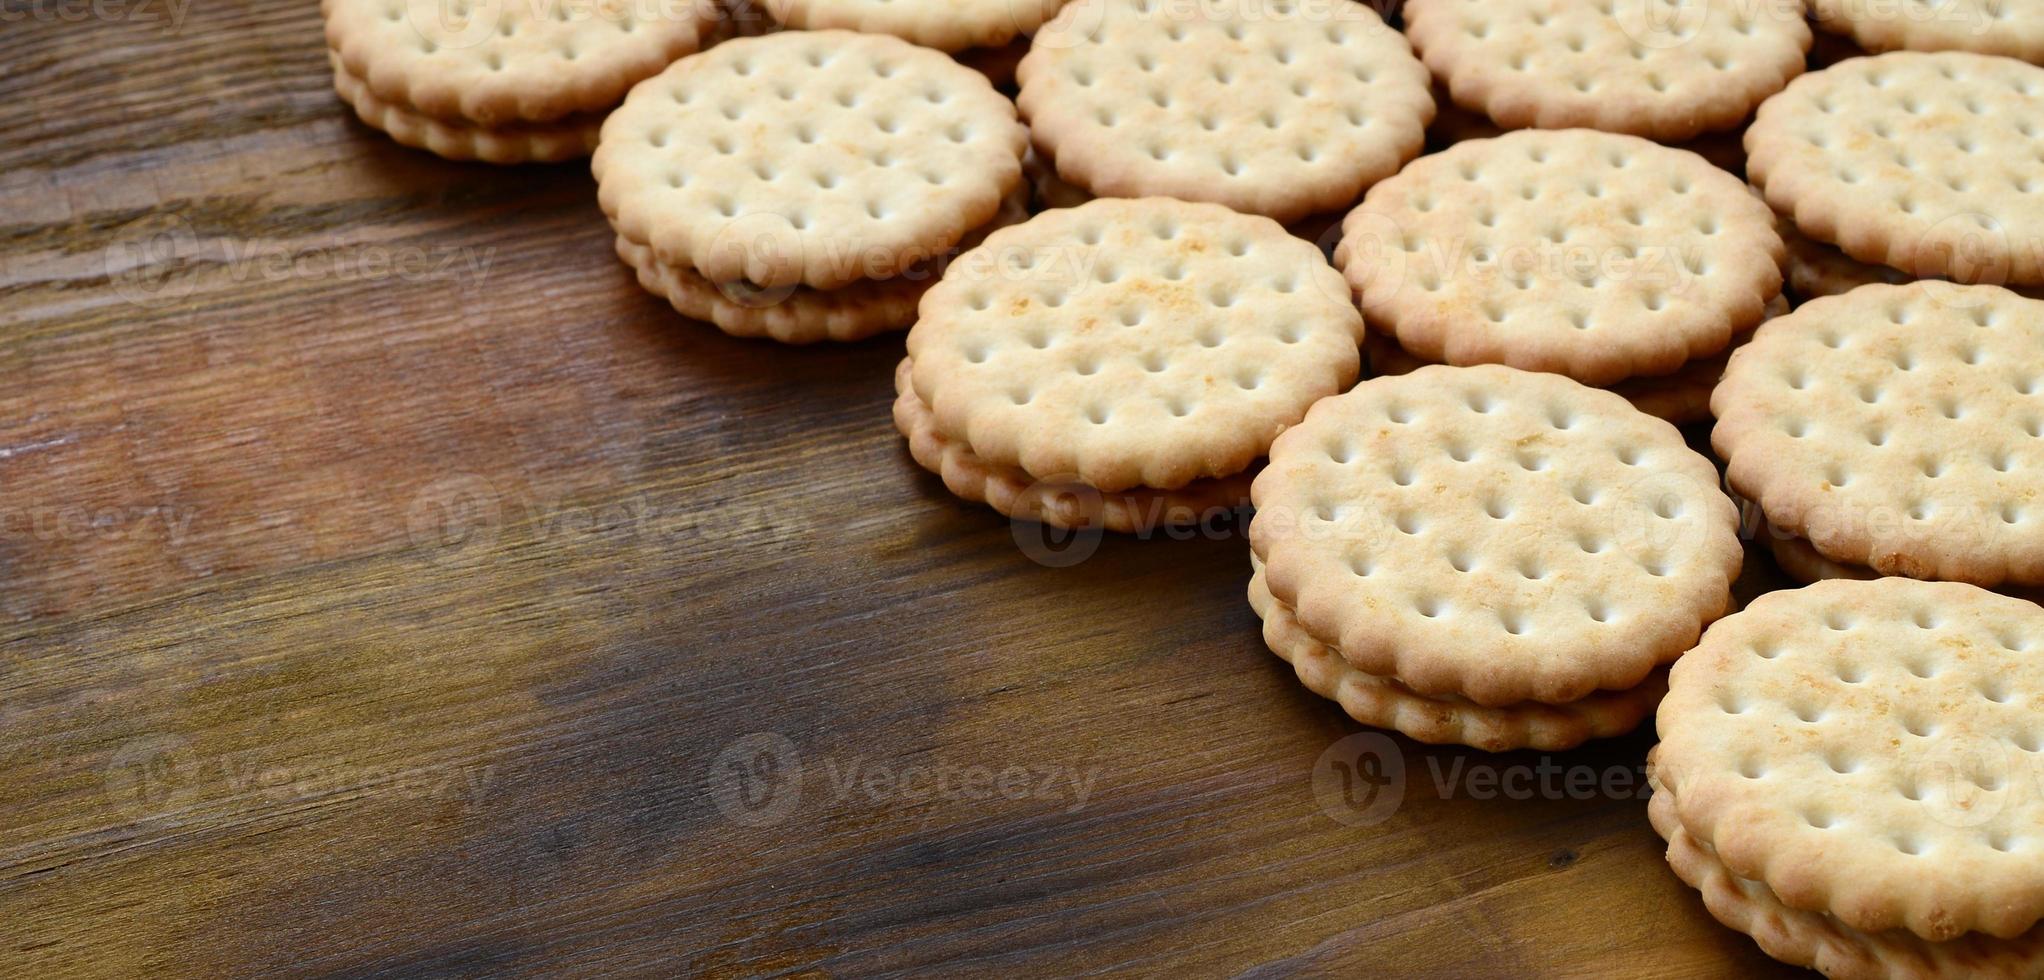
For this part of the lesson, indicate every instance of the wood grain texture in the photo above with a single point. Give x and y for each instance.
(389, 587)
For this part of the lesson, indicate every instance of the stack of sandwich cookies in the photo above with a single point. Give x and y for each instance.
(1124, 363)
(502, 83)
(1845, 772)
(1667, 71)
(1999, 27)
(1682, 397)
(990, 36)
(738, 200)
(1281, 108)
(1897, 429)
(1923, 162)
(1488, 556)
(1593, 255)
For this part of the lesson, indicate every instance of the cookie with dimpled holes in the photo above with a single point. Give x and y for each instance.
(1589, 254)
(1898, 428)
(502, 82)
(1499, 535)
(1664, 69)
(1282, 108)
(1820, 941)
(1861, 750)
(1132, 343)
(1927, 163)
(813, 158)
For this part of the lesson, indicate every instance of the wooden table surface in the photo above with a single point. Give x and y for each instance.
(389, 586)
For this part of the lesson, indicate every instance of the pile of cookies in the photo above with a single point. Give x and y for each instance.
(1122, 315)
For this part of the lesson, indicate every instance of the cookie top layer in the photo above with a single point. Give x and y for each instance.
(1924, 162)
(1665, 69)
(947, 25)
(2003, 27)
(1589, 254)
(1127, 343)
(1897, 427)
(726, 163)
(1868, 749)
(1499, 534)
(1275, 107)
(494, 63)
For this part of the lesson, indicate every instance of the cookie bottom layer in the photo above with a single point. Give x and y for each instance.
(800, 314)
(1383, 702)
(791, 315)
(1060, 504)
(522, 143)
(1818, 941)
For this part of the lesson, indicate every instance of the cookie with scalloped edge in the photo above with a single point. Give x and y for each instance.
(1926, 163)
(818, 158)
(798, 314)
(1997, 27)
(1821, 942)
(1133, 343)
(1682, 397)
(565, 139)
(1060, 503)
(947, 25)
(1667, 71)
(1383, 702)
(1282, 108)
(1864, 750)
(495, 64)
(1500, 535)
(1590, 254)
(1897, 427)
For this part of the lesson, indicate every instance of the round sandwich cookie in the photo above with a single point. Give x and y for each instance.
(1663, 69)
(1496, 535)
(1924, 162)
(501, 82)
(1589, 254)
(1900, 428)
(1148, 347)
(1846, 771)
(724, 172)
(1383, 702)
(1283, 108)
(2011, 28)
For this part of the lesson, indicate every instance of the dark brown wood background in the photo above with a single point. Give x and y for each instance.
(387, 585)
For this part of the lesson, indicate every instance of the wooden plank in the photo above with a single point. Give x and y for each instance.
(388, 586)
